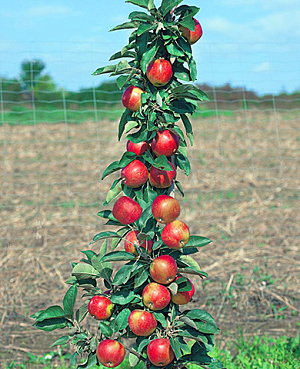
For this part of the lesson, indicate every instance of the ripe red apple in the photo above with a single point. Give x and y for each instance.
(163, 269)
(100, 307)
(160, 352)
(137, 148)
(165, 143)
(182, 298)
(165, 209)
(135, 174)
(131, 241)
(131, 98)
(126, 210)
(156, 296)
(142, 323)
(159, 72)
(110, 353)
(175, 234)
(161, 178)
(192, 36)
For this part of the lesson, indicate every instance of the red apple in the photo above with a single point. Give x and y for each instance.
(175, 234)
(163, 269)
(160, 352)
(165, 209)
(126, 210)
(192, 36)
(182, 298)
(161, 178)
(110, 353)
(135, 174)
(159, 72)
(137, 148)
(131, 241)
(142, 323)
(100, 307)
(131, 98)
(156, 296)
(165, 143)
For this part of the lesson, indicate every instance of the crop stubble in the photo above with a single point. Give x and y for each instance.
(243, 192)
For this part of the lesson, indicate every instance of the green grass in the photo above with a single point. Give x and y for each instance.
(20, 115)
(254, 353)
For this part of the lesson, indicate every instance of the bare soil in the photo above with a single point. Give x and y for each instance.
(243, 193)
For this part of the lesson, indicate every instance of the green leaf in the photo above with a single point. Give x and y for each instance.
(103, 250)
(204, 322)
(123, 275)
(160, 318)
(122, 67)
(148, 56)
(103, 70)
(130, 125)
(82, 312)
(84, 271)
(105, 269)
(162, 163)
(122, 318)
(168, 5)
(51, 312)
(61, 341)
(176, 348)
(125, 25)
(193, 71)
(199, 355)
(105, 329)
(113, 167)
(173, 287)
(112, 194)
(90, 362)
(49, 325)
(198, 241)
(145, 27)
(88, 253)
(73, 358)
(179, 187)
(123, 121)
(133, 359)
(141, 278)
(123, 297)
(141, 16)
(188, 127)
(119, 54)
(127, 158)
(183, 163)
(69, 300)
(173, 49)
(118, 256)
(106, 234)
(141, 3)
(188, 22)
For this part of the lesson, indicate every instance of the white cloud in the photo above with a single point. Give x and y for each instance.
(262, 67)
(47, 11)
(280, 27)
(266, 4)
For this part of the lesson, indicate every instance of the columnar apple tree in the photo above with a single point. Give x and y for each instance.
(145, 297)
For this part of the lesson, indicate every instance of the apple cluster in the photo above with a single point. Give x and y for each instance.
(156, 295)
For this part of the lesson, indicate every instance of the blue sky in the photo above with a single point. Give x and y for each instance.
(250, 43)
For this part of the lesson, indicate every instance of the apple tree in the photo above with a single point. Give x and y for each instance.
(136, 286)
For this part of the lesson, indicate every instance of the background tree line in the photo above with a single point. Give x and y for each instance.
(35, 86)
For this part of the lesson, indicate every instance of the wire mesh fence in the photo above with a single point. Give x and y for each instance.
(243, 193)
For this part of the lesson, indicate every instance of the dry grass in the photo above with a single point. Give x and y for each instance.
(243, 193)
